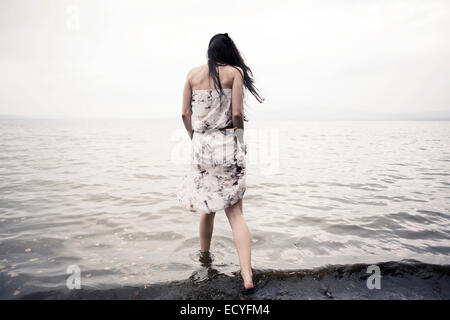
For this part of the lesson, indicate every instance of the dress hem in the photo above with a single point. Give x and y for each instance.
(230, 204)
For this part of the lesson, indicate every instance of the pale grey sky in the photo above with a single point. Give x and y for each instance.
(319, 59)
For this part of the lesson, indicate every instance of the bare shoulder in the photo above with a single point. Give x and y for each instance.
(236, 71)
(196, 70)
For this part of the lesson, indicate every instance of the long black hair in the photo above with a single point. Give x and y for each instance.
(222, 51)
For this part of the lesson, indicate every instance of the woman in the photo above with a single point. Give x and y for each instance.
(212, 113)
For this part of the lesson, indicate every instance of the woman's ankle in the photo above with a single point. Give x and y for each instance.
(246, 275)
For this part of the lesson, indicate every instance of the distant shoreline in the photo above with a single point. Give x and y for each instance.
(15, 117)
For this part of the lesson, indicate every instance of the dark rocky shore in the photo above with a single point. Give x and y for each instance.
(399, 280)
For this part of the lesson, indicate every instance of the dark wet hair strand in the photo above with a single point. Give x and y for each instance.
(223, 51)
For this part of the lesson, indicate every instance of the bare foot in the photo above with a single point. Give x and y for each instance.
(248, 280)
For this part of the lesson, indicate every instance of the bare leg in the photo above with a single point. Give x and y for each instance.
(241, 237)
(206, 230)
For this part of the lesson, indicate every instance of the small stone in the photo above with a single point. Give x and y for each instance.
(27, 250)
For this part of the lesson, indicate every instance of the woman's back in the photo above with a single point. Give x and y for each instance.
(199, 77)
(211, 109)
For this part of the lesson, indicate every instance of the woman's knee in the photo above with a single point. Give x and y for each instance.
(233, 212)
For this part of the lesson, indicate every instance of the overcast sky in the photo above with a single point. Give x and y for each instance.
(319, 59)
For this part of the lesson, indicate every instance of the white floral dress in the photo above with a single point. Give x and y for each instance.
(216, 178)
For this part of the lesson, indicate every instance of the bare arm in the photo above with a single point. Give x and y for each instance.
(237, 109)
(186, 111)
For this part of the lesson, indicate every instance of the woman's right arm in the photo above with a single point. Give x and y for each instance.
(186, 111)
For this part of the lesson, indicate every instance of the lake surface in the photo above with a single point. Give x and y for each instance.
(100, 195)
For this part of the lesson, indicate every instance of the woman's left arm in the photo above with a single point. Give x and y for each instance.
(186, 111)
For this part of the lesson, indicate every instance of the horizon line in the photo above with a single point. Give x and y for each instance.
(360, 118)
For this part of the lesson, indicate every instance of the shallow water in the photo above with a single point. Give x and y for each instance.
(100, 194)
